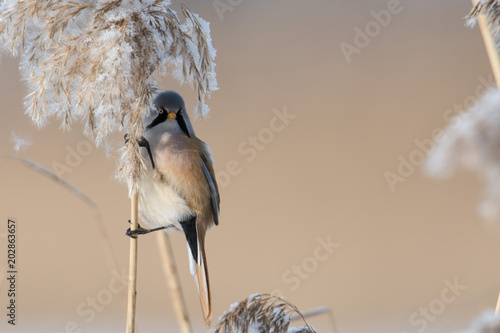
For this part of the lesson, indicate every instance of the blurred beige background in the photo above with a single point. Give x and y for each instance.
(319, 177)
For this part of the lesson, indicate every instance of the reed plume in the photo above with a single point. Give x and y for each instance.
(93, 61)
(487, 322)
(491, 10)
(261, 313)
(472, 140)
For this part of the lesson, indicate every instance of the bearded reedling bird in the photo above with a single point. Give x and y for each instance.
(179, 190)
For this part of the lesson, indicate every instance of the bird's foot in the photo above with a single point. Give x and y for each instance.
(142, 231)
(138, 231)
(142, 142)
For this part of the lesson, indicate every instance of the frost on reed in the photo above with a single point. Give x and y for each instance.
(472, 140)
(19, 141)
(490, 9)
(92, 60)
(261, 313)
(487, 322)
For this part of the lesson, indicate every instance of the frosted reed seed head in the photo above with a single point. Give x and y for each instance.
(261, 313)
(93, 60)
(491, 10)
(472, 140)
(487, 322)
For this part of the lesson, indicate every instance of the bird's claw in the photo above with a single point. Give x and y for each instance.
(142, 231)
(138, 231)
(130, 233)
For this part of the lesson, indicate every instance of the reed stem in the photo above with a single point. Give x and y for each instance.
(489, 44)
(132, 275)
(173, 281)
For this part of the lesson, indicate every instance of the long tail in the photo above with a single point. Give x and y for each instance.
(198, 265)
(202, 282)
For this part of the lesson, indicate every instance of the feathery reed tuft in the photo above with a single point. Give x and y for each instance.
(261, 313)
(93, 60)
(472, 140)
(19, 141)
(491, 10)
(487, 322)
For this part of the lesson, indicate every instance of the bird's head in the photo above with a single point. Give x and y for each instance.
(170, 111)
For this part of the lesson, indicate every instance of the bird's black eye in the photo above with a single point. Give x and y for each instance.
(161, 117)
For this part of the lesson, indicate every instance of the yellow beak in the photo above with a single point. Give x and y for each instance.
(171, 115)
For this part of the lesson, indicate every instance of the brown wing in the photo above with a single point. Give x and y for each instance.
(206, 159)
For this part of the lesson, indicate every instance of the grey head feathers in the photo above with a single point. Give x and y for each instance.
(165, 103)
(169, 100)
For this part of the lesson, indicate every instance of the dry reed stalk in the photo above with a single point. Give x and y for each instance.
(489, 42)
(485, 12)
(311, 313)
(317, 312)
(172, 277)
(103, 234)
(262, 313)
(132, 275)
(497, 307)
